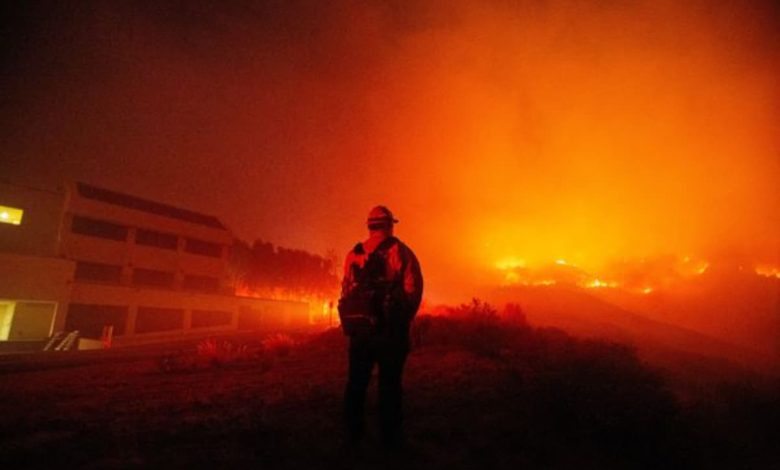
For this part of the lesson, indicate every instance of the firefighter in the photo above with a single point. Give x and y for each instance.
(389, 272)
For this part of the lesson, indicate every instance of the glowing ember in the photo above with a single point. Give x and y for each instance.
(768, 271)
(596, 283)
(512, 278)
(510, 263)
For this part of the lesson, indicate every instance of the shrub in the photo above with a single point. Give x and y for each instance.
(476, 311)
(513, 314)
(208, 353)
(279, 344)
(593, 398)
(221, 352)
(476, 327)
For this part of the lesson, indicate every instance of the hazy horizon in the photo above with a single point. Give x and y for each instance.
(538, 132)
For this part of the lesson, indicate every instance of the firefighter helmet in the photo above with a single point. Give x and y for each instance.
(381, 215)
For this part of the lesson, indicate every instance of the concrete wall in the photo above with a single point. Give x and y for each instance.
(38, 261)
(39, 231)
(138, 218)
(35, 278)
(132, 255)
(265, 314)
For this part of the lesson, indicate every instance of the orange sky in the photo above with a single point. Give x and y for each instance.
(572, 130)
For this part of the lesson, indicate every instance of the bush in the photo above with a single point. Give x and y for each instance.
(513, 314)
(221, 352)
(476, 327)
(279, 344)
(593, 398)
(208, 353)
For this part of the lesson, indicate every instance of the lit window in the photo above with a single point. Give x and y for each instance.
(11, 215)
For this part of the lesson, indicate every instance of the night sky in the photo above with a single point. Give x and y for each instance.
(544, 130)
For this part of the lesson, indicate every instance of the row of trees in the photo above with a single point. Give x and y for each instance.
(263, 269)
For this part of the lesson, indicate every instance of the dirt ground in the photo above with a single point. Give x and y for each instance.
(279, 407)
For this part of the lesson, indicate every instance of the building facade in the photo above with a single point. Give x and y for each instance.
(86, 258)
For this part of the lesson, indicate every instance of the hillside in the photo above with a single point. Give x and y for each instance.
(582, 313)
(735, 305)
(480, 391)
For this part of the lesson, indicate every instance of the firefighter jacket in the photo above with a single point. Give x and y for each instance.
(402, 268)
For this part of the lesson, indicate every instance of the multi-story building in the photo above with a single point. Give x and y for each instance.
(84, 258)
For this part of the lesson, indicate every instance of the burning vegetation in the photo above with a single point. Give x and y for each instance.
(263, 270)
(642, 276)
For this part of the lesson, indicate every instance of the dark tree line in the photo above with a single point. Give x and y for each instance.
(269, 270)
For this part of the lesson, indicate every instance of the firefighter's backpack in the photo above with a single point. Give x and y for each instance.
(363, 308)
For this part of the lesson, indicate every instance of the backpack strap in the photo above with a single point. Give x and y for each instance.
(385, 245)
(380, 251)
(378, 258)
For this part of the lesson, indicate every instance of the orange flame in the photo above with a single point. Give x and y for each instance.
(642, 276)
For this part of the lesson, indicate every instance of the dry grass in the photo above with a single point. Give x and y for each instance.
(279, 344)
(209, 353)
(537, 399)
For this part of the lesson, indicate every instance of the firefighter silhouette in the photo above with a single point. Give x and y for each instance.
(381, 292)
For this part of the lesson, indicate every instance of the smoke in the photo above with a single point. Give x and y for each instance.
(538, 130)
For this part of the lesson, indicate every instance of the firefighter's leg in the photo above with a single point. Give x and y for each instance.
(361, 362)
(391, 364)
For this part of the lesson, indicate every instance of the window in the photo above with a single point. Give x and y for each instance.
(158, 239)
(152, 277)
(207, 318)
(90, 319)
(202, 283)
(98, 228)
(11, 215)
(132, 202)
(98, 272)
(199, 247)
(150, 319)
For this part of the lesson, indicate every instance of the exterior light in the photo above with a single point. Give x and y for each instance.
(10, 215)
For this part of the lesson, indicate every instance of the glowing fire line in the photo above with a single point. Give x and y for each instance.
(768, 271)
(647, 278)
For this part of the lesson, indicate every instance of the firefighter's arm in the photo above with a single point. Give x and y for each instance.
(413, 283)
(347, 281)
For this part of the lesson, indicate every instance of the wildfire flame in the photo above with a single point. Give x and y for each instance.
(641, 277)
(767, 270)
